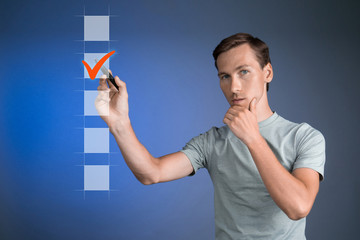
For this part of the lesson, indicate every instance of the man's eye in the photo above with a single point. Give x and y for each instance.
(244, 72)
(224, 76)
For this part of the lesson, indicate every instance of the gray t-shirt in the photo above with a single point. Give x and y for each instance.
(243, 206)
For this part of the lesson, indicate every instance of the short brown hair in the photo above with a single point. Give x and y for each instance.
(260, 48)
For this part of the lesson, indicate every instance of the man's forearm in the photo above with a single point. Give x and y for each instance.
(137, 157)
(288, 192)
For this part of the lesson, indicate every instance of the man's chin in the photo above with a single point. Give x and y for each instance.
(245, 104)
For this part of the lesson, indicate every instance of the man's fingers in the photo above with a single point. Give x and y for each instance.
(231, 111)
(103, 95)
(229, 116)
(121, 84)
(102, 83)
(111, 86)
(103, 90)
(226, 120)
(103, 78)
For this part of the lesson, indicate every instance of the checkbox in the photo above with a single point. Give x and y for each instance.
(100, 98)
(96, 28)
(90, 59)
(96, 178)
(96, 140)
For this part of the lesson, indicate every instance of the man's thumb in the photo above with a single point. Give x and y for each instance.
(122, 85)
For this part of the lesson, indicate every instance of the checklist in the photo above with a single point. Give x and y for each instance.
(96, 139)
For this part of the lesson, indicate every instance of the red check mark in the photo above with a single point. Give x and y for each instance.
(98, 65)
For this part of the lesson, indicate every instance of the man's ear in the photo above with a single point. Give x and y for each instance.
(268, 72)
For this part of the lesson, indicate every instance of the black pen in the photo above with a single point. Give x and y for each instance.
(105, 71)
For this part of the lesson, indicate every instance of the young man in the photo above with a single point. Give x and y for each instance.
(265, 169)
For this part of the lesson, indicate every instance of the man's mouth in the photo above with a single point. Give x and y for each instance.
(237, 100)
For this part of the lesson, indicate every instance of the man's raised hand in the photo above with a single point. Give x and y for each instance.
(112, 104)
(243, 122)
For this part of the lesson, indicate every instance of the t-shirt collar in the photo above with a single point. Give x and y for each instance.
(269, 120)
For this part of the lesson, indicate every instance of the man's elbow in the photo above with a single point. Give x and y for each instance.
(296, 217)
(149, 178)
(147, 181)
(298, 213)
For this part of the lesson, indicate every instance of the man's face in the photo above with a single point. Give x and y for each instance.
(241, 77)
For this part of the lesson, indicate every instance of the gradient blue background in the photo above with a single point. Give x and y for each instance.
(163, 53)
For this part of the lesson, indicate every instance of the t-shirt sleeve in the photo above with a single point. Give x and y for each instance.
(197, 151)
(310, 148)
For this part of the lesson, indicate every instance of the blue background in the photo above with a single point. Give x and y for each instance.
(163, 53)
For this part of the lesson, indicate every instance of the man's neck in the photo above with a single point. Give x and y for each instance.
(263, 111)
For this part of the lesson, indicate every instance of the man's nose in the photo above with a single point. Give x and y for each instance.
(235, 85)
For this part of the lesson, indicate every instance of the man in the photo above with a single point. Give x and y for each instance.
(265, 169)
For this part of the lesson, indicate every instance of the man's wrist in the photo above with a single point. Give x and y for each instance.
(120, 127)
(256, 142)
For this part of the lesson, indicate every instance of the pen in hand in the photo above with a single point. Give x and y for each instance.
(105, 71)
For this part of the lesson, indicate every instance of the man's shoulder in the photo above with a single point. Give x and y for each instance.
(214, 134)
(217, 132)
(299, 130)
